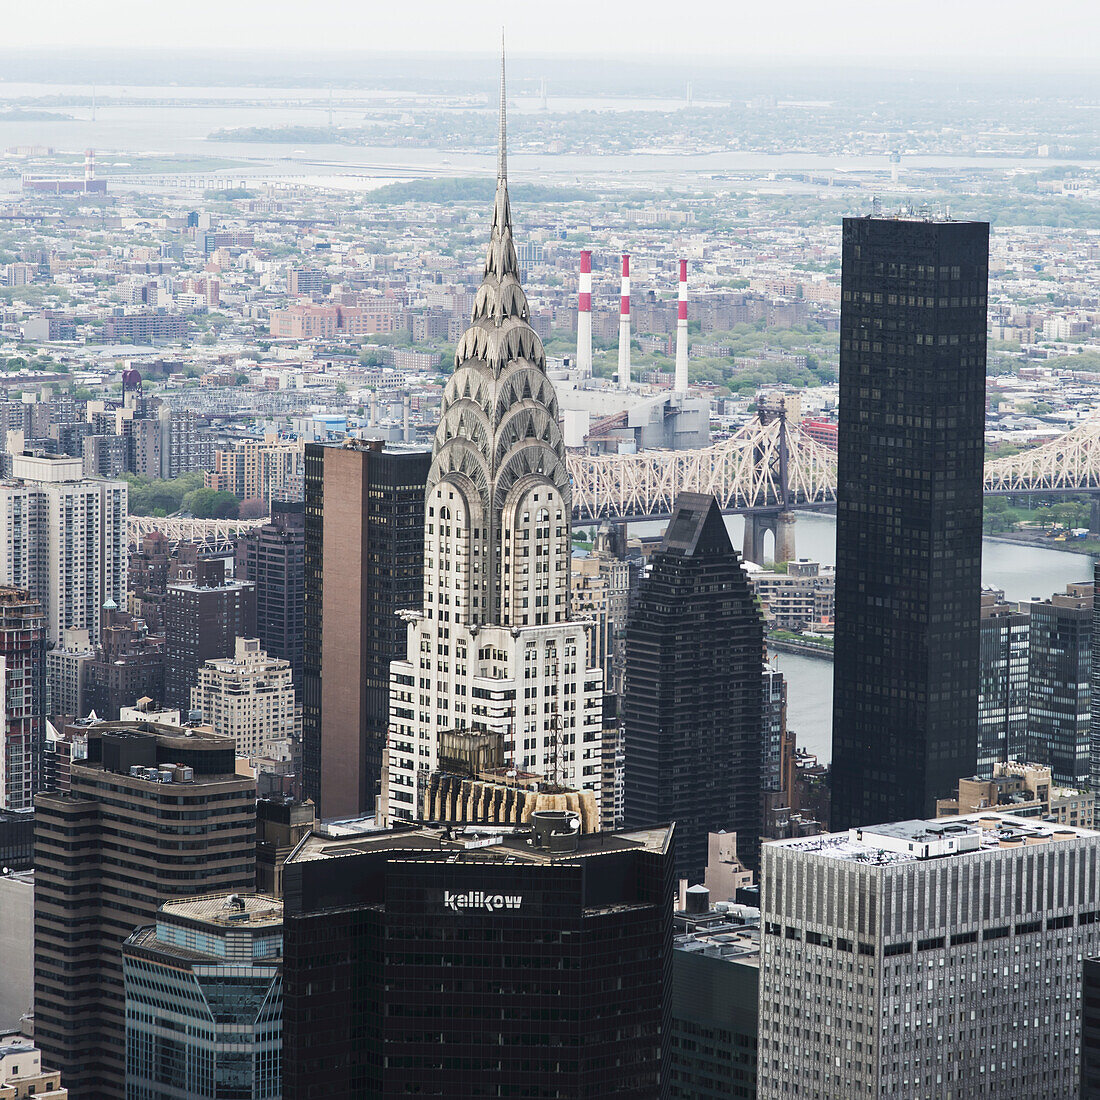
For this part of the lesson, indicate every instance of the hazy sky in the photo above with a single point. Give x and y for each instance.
(820, 29)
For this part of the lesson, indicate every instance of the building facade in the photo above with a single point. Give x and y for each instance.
(528, 965)
(22, 1073)
(1094, 686)
(493, 645)
(1003, 683)
(909, 514)
(64, 540)
(203, 618)
(1090, 1030)
(22, 697)
(926, 958)
(127, 665)
(803, 596)
(248, 698)
(693, 705)
(1059, 665)
(66, 665)
(601, 594)
(256, 469)
(715, 989)
(204, 1003)
(150, 813)
(364, 546)
(272, 557)
(774, 715)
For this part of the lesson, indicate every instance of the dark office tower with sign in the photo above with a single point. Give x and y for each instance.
(909, 515)
(693, 705)
(422, 962)
(364, 562)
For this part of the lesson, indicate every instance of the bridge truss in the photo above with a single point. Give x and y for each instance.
(769, 464)
(1068, 464)
(217, 535)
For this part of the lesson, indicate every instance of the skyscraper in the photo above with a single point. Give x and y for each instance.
(22, 697)
(151, 813)
(493, 646)
(693, 705)
(1094, 685)
(419, 963)
(273, 558)
(204, 1000)
(364, 545)
(1058, 708)
(909, 514)
(63, 539)
(203, 619)
(946, 955)
(1002, 684)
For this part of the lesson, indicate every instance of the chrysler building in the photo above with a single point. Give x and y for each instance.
(493, 648)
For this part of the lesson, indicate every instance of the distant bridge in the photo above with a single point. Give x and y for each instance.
(217, 535)
(766, 470)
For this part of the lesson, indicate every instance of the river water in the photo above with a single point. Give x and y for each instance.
(1022, 571)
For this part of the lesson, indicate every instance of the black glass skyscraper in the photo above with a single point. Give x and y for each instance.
(692, 709)
(909, 515)
(420, 962)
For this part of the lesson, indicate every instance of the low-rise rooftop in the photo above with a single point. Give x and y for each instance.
(913, 841)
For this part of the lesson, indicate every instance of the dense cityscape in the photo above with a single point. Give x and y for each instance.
(526, 581)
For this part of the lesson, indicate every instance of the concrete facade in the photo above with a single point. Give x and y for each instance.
(927, 958)
(16, 946)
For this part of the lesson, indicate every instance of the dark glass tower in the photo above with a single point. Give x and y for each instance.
(1094, 686)
(909, 515)
(692, 709)
(364, 562)
(421, 963)
(1058, 713)
(1002, 684)
(272, 557)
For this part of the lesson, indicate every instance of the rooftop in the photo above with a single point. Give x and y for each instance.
(233, 910)
(915, 841)
(728, 931)
(474, 844)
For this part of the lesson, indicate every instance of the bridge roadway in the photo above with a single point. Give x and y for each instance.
(767, 470)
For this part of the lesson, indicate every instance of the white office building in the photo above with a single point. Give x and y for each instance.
(63, 536)
(493, 647)
(927, 958)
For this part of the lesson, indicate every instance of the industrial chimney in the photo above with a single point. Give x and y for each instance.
(584, 317)
(682, 332)
(624, 326)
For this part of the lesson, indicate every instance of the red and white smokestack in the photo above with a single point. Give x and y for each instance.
(624, 326)
(89, 165)
(584, 317)
(682, 332)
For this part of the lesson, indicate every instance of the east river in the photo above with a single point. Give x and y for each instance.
(1022, 571)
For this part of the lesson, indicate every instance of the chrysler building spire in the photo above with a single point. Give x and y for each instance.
(499, 425)
(493, 648)
(502, 142)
